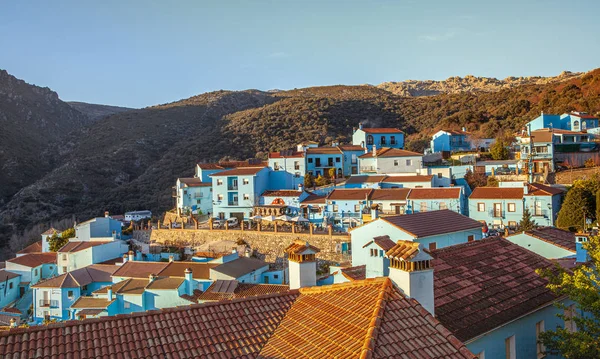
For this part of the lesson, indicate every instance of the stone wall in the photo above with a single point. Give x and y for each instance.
(269, 245)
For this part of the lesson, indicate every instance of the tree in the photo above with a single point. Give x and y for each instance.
(309, 180)
(321, 181)
(598, 205)
(581, 286)
(580, 202)
(475, 179)
(499, 150)
(57, 241)
(526, 223)
(492, 182)
(331, 173)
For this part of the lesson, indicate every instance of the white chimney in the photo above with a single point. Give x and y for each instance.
(302, 264)
(525, 188)
(125, 258)
(374, 211)
(374, 151)
(131, 256)
(109, 294)
(13, 323)
(189, 281)
(151, 278)
(412, 272)
(171, 258)
(300, 187)
(106, 214)
(464, 129)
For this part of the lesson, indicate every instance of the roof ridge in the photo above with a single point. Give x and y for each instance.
(340, 286)
(375, 323)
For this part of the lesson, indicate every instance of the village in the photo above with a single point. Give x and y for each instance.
(349, 248)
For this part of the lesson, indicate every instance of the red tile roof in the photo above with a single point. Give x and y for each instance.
(351, 148)
(299, 246)
(365, 179)
(381, 130)
(349, 194)
(457, 132)
(323, 150)
(240, 290)
(582, 115)
(556, 236)
(369, 317)
(403, 179)
(384, 242)
(391, 152)
(314, 199)
(32, 248)
(247, 171)
(135, 269)
(194, 182)
(34, 259)
(497, 193)
(288, 154)
(483, 284)
(6, 275)
(434, 193)
(80, 277)
(425, 224)
(389, 194)
(282, 193)
(405, 250)
(355, 273)
(538, 189)
(77, 246)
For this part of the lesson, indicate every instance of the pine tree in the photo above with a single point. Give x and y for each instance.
(598, 205)
(574, 209)
(526, 223)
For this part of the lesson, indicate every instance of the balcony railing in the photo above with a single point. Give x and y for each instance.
(232, 203)
(50, 303)
(368, 169)
(232, 187)
(539, 213)
(496, 213)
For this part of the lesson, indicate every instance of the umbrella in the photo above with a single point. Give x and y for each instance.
(284, 218)
(255, 218)
(299, 219)
(269, 218)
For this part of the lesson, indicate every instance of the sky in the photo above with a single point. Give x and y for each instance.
(142, 53)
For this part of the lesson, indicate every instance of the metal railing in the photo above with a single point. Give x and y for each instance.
(496, 213)
(539, 213)
(232, 187)
(233, 203)
(51, 303)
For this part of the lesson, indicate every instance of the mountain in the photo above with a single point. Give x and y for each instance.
(130, 160)
(469, 83)
(95, 112)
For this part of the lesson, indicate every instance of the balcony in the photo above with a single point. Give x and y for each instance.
(540, 213)
(232, 187)
(233, 203)
(496, 213)
(368, 169)
(48, 303)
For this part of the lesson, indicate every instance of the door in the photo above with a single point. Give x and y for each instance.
(397, 209)
(497, 209)
(538, 208)
(45, 299)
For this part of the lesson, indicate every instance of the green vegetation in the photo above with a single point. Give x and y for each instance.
(499, 150)
(56, 242)
(309, 181)
(526, 223)
(475, 179)
(492, 182)
(580, 285)
(579, 204)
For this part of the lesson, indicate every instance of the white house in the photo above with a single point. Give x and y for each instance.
(33, 267)
(137, 215)
(390, 160)
(80, 254)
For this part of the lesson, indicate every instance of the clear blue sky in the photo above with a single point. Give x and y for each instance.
(141, 53)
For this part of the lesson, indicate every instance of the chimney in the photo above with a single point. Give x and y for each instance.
(464, 129)
(151, 277)
(189, 281)
(125, 258)
(13, 323)
(300, 187)
(131, 256)
(412, 272)
(374, 211)
(302, 264)
(114, 234)
(525, 188)
(374, 150)
(109, 294)
(171, 258)
(106, 214)
(581, 255)
(360, 126)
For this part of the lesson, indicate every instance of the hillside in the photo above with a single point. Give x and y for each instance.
(130, 160)
(468, 84)
(95, 112)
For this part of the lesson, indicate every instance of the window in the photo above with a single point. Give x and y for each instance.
(338, 159)
(509, 345)
(246, 196)
(296, 165)
(64, 257)
(470, 238)
(396, 163)
(354, 158)
(64, 269)
(10, 285)
(381, 252)
(221, 215)
(276, 276)
(369, 140)
(383, 140)
(409, 162)
(310, 160)
(245, 181)
(220, 197)
(440, 175)
(126, 305)
(219, 182)
(423, 206)
(540, 349)
(432, 246)
(443, 205)
(335, 207)
(198, 201)
(512, 224)
(357, 208)
(569, 322)
(297, 174)
(275, 166)
(392, 140)
(84, 287)
(70, 294)
(35, 272)
(512, 207)
(480, 207)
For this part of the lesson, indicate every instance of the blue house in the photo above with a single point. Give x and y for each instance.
(33, 267)
(434, 199)
(501, 207)
(193, 196)
(9, 287)
(549, 242)
(99, 227)
(237, 191)
(344, 159)
(450, 141)
(380, 137)
(313, 208)
(204, 170)
(573, 121)
(289, 168)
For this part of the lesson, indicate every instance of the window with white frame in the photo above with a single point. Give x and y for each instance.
(246, 196)
(423, 206)
(219, 182)
(220, 197)
(396, 163)
(245, 181)
(409, 162)
(443, 205)
(126, 305)
(357, 208)
(512, 207)
(480, 207)
(540, 348)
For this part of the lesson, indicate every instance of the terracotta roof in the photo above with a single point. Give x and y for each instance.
(209, 166)
(90, 311)
(405, 250)
(50, 231)
(434, 193)
(282, 193)
(91, 302)
(354, 179)
(543, 135)
(538, 189)
(162, 283)
(314, 199)
(239, 267)
(582, 115)
(456, 132)
(76, 246)
(403, 179)
(323, 150)
(35, 247)
(194, 182)
(369, 317)
(493, 280)
(389, 194)
(11, 310)
(351, 148)
(381, 130)
(239, 290)
(566, 132)
(231, 164)
(286, 154)
(425, 224)
(355, 273)
(248, 171)
(298, 246)
(349, 194)
(391, 152)
(497, 193)
(34, 259)
(133, 269)
(384, 242)
(128, 286)
(177, 269)
(556, 236)
(6, 275)
(80, 277)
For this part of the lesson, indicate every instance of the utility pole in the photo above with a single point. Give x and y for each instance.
(531, 149)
